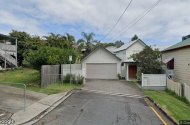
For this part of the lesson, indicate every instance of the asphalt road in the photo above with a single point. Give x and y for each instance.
(86, 108)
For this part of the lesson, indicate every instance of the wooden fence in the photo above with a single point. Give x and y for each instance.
(181, 89)
(49, 74)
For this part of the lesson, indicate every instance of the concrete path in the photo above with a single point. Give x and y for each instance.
(12, 99)
(87, 108)
(113, 86)
(37, 108)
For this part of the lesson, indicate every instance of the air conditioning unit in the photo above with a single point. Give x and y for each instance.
(170, 74)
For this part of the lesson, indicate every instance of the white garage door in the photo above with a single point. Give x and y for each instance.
(101, 71)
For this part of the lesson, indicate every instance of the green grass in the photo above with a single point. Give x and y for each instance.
(176, 108)
(31, 78)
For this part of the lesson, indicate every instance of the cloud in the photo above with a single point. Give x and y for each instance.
(168, 21)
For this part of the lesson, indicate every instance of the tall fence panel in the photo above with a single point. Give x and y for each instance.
(177, 88)
(75, 69)
(49, 75)
(154, 81)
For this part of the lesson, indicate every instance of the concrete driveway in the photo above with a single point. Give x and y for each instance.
(113, 86)
(12, 99)
(87, 108)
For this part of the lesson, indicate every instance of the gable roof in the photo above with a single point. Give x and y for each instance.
(125, 46)
(178, 45)
(100, 47)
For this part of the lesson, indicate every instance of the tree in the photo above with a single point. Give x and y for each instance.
(118, 43)
(22, 38)
(87, 42)
(70, 40)
(56, 40)
(149, 60)
(46, 55)
(135, 37)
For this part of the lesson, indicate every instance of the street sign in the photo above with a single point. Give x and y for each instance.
(70, 58)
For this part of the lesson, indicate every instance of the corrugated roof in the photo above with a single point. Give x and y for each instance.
(179, 45)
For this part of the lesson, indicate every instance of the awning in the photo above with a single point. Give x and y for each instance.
(168, 59)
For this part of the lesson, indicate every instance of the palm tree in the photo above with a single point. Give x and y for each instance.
(70, 41)
(87, 42)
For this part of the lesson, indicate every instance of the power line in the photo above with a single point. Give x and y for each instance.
(117, 20)
(133, 20)
(152, 7)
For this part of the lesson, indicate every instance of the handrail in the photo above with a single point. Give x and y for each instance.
(24, 91)
(8, 57)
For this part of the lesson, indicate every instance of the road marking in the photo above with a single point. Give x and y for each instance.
(116, 94)
(156, 113)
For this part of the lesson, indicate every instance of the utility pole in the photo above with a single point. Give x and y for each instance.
(70, 59)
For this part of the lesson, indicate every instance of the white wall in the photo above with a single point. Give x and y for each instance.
(121, 54)
(101, 56)
(153, 80)
(135, 48)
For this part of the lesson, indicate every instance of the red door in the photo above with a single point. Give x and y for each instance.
(132, 71)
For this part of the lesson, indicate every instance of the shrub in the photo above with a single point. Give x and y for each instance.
(80, 79)
(74, 79)
(66, 78)
(139, 75)
(119, 76)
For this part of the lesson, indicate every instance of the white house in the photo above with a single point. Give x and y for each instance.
(107, 63)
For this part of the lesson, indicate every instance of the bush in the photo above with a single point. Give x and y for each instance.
(139, 75)
(66, 78)
(80, 79)
(74, 79)
(119, 76)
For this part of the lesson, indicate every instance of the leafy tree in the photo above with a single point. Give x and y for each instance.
(22, 38)
(118, 43)
(135, 37)
(87, 42)
(149, 60)
(46, 55)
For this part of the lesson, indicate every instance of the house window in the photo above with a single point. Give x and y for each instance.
(170, 64)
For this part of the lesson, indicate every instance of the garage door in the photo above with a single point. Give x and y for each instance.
(101, 71)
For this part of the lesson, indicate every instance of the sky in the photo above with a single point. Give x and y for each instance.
(163, 25)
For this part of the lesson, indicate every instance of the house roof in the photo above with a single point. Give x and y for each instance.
(125, 46)
(100, 47)
(179, 45)
(161, 48)
(4, 37)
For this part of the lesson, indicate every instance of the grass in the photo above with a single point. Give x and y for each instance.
(31, 78)
(176, 108)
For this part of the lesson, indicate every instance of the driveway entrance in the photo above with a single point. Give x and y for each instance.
(113, 86)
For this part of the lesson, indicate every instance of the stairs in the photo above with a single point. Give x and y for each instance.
(10, 60)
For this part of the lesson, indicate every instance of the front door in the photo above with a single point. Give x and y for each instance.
(132, 71)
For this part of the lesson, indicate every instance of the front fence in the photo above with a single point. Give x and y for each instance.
(154, 81)
(49, 74)
(181, 89)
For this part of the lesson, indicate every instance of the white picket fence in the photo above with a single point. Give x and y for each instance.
(154, 81)
(176, 87)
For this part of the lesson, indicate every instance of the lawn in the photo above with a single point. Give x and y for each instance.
(176, 108)
(31, 78)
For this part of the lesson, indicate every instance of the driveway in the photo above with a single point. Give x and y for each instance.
(113, 86)
(87, 108)
(12, 99)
